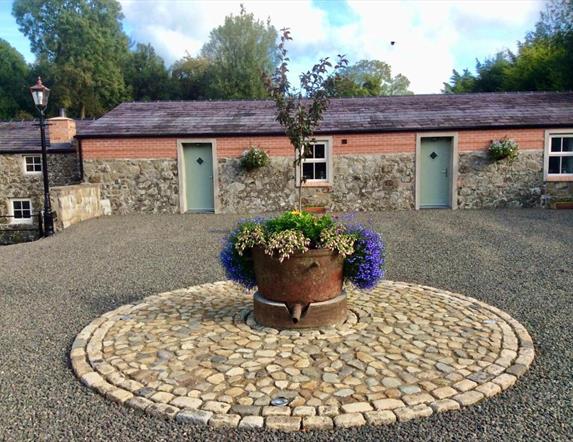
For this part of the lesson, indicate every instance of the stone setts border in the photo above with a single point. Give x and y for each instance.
(406, 351)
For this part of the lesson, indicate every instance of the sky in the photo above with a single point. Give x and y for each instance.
(431, 37)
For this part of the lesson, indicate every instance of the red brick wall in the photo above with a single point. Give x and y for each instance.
(61, 130)
(128, 148)
(528, 139)
(397, 142)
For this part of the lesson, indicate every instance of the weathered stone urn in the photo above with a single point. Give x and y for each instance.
(302, 291)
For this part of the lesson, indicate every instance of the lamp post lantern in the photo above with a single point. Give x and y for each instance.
(40, 94)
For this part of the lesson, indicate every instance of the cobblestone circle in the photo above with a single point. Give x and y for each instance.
(406, 351)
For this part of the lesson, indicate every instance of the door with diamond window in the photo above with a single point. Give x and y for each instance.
(435, 174)
(198, 160)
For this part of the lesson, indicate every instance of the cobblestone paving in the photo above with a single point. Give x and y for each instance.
(406, 351)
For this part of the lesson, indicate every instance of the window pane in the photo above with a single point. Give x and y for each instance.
(307, 153)
(308, 171)
(17, 205)
(568, 144)
(555, 144)
(25, 205)
(320, 171)
(26, 214)
(567, 165)
(319, 151)
(554, 164)
(33, 164)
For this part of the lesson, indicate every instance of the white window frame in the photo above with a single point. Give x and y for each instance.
(327, 141)
(549, 135)
(20, 220)
(25, 165)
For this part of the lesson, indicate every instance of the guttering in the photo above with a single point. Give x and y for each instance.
(328, 132)
(35, 151)
(81, 160)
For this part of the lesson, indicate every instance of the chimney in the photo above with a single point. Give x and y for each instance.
(61, 129)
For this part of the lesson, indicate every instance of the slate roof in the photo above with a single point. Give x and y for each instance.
(345, 115)
(24, 137)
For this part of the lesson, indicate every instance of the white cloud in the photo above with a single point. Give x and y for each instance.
(428, 34)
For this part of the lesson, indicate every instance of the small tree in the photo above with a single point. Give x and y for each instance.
(300, 111)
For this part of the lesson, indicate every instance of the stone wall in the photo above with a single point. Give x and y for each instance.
(558, 192)
(63, 170)
(73, 204)
(15, 234)
(483, 183)
(360, 183)
(136, 185)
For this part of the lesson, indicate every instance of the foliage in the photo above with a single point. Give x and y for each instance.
(254, 158)
(14, 74)
(503, 148)
(239, 52)
(295, 232)
(238, 266)
(310, 225)
(368, 78)
(285, 243)
(300, 111)
(544, 60)
(190, 77)
(145, 74)
(365, 267)
(85, 46)
(336, 238)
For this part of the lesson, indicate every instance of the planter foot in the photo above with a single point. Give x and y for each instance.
(316, 314)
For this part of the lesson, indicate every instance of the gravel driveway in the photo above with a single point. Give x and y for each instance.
(517, 260)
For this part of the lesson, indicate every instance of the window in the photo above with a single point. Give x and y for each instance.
(559, 155)
(33, 164)
(316, 165)
(21, 211)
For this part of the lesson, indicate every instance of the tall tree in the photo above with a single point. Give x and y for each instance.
(460, 83)
(145, 75)
(190, 76)
(239, 52)
(368, 78)
(84, 42)
(14, 75)
(544, 60)
(300, 111)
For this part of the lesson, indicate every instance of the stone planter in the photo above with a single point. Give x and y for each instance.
(303, 291)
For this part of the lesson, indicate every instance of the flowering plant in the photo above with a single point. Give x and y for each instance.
(253, 158)
(503, 148)
(296, 232)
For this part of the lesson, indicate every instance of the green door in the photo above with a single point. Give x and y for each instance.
(435, 172)
(198, 160)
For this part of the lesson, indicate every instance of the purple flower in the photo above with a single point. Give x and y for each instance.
(237, 268)
(365, 267)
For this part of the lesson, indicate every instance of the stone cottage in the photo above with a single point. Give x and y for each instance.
(21, 185)
(404, 152)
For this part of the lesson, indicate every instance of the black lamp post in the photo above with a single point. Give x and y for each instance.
(40, 94)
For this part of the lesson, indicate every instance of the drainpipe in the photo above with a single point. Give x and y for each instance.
(81, 159)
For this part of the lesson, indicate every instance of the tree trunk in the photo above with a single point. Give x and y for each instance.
(300, 181)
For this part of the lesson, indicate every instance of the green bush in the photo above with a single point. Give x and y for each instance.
(503, 148)
(253, 158)
(310, 225)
